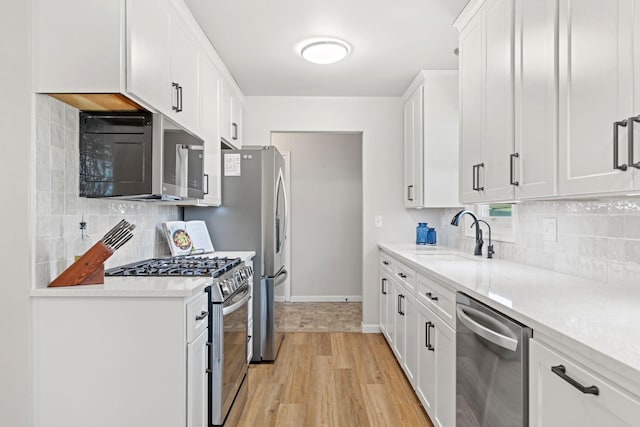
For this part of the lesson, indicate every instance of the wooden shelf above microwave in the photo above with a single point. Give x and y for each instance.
(98, 101)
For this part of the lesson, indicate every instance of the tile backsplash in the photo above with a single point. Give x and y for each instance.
(59, 210)
(596, 239)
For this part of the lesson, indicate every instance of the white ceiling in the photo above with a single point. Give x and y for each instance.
(391, 41)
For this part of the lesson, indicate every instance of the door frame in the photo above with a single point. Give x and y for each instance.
(286, 155)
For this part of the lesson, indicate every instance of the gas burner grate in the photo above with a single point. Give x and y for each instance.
(177, 266)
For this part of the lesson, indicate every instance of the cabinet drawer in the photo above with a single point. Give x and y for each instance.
(438, 298)
(197, 317)
(387, 263)
(556, 402)
(405, 275)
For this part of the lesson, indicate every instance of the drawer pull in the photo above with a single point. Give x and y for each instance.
(430, 296)
(561, 371)
(404, 276)
(385, 262)
(202, 315)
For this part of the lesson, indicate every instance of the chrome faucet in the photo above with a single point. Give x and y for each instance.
(479, 242)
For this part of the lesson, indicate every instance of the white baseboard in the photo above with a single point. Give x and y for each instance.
(370, 329)
(327, 298)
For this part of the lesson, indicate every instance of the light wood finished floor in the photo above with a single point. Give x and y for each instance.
(331, 379)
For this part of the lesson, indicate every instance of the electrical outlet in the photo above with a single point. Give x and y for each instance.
(378, 221)
(549, 229)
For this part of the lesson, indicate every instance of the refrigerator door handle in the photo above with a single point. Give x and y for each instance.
(279, 277)
(280, 237)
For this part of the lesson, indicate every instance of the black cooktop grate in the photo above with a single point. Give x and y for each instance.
(176, 266)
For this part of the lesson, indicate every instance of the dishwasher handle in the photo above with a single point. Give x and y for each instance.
(503, 341)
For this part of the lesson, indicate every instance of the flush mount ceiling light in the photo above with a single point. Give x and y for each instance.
(324, 50)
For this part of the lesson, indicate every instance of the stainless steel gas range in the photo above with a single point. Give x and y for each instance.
(228, 314)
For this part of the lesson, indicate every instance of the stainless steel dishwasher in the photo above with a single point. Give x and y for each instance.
(492, 367)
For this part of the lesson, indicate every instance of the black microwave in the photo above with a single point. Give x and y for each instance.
(139, 156)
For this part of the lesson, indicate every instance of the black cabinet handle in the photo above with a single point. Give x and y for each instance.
(561, 371)
(206, 179)
(235, 131)
(202, 315)
(616, 126)
(473, 178)
(398, 309)
(175, 86)
(385, 262)
(404, 276)
(384, 291)
(430, 296)
(511, 169)
(427, 328)
(410, 193)
(402, 305)
(632, 121)
(480, 165)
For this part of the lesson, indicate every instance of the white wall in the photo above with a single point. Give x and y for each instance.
(380, 121)
(326, 213)
(16, 215)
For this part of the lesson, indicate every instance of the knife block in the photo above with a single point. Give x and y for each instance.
(87, 270)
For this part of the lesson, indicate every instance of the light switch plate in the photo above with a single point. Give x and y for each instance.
(549, 229)
(378, 221)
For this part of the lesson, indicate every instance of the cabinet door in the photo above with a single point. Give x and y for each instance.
(236, 121)
(410, 316)
(535, 98)
(197, 384)
(498, 135)
(444, 343)
(390, 327)
(554, 402)
(425, 382)
(225, 116)
(384, 296)
(413, 150)
(185, 69)
(595, 81)
(471, 108)
(209, 111)
(148, 53)
(400, 333)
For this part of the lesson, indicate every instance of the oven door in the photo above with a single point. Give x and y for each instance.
(234, 346)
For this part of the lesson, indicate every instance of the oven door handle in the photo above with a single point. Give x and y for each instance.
(233, 307)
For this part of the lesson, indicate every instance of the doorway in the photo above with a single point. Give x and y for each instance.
(325, 186)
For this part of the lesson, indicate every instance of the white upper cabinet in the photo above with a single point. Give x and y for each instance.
(185, 58)
(162, 61)
(73, 53)
(471, 108)
(596, 94)
(486, 84)
(534, 163)
(431, 140)
(508, 84)
(148, 57)
(231, 117)
(498, 105)
(210, 82)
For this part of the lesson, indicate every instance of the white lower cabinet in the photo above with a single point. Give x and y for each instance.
(561, 393)
(125, 361)
(197, 408)
(436, 376)
(423, 342)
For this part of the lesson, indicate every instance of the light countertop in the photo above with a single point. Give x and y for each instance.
(600, 319)
(176, 286)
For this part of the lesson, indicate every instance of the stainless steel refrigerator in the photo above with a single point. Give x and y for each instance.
(253, 216)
